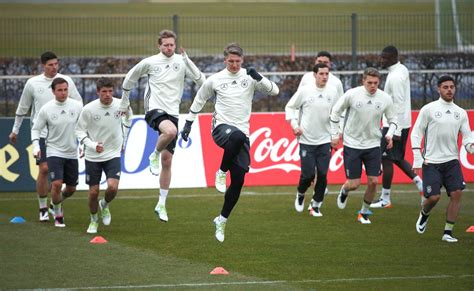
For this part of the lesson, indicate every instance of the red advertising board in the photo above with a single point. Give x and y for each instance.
(274, 153)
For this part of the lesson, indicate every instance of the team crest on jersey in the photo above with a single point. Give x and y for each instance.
(176, 67)
(244, 83)
(457, 115)
(54, 116)
(358, 104)
(438, 114)
(224, 86)
(96, 117)
(378, 105)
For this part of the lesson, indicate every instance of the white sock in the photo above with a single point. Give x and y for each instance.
(222, 218)
(316, 204)
(57, 209)
(419, 183)
(156, 152)
(163, 195)
(94, 217)
(103, 203)
(365, 207)
(386, 194)
(43, 202)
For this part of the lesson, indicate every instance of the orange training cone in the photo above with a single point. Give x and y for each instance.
(470, 229)
(98, 240)
(219, 271)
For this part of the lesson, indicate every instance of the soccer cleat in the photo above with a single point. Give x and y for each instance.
(341, 203)
(381, 204)
(449, 238)
(43, 214)
(363, 218)
(93, 227)
(421, 223)
(105, 212)
(220, 229)
(59, 221)
(155, 163)
(299, 202)
(220, 181)
(315, 212)
(160, 210)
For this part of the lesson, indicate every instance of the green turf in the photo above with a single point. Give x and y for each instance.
(268, 245)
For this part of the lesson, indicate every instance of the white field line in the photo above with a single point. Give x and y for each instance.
(215, 194)
(277, 282)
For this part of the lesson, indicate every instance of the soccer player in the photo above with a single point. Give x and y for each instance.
(308, 112)
(361, 137)
(59, 116)
(234, 89)
(166, 72)
(102, 130)
(36, 93)
(397, 85)
(439, 124)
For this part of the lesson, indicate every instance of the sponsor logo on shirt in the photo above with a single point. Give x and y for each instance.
(54, 116)
(224, 86)
(358, 104)
(96, 117)
(438, 114)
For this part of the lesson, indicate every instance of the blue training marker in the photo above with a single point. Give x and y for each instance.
(17, 219)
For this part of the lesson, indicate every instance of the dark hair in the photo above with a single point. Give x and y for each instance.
(233, 49)
(58, 81)
(391, 50)
(324, 54)
(319, 66)
(371, 72)
(104, 82)
(46, 56)
(165, 33)
(445, 78)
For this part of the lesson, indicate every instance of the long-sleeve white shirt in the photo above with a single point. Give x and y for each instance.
(60, 118)
(439, 124)
(234, 94)
(165, 85)
(363, 117)
(104, 124)
(36, 93)
(397, 85)
(333, 81)
(310, 108)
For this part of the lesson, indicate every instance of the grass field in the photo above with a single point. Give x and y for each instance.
(268, 244)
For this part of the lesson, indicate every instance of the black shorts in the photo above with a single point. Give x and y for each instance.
(42, 144)
(154, 117)
(449, 175)
(314, 157)
(111, 168)
(221, 135)
(397, 152)
(63, 169)
(354, 158)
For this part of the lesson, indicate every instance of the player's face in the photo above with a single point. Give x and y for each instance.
(60, 92)
(50, 69)
(324, 60)
(321, 77)
(447, 90)
(168, 46)
(233, 63)
(105, 95)
(371, 84)
(386, 60)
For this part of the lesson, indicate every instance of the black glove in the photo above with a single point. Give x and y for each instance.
(186, 130)
(253, 73)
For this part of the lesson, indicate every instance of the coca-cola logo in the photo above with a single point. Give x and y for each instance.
(270, 153)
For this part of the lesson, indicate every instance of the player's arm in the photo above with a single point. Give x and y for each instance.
(192, 70)
(130, 81)
(399, 99)
(416, 137)
(392, 119)
(339, 107)
(81, 130)
(26, 100)
(467, 138)
(263, 84)
(292, 111)
(126, 125)
(40, 123)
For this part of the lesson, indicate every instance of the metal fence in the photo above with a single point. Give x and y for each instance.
(430, 45)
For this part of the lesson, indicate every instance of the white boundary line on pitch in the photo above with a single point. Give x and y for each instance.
(211, 284)
(216, 194)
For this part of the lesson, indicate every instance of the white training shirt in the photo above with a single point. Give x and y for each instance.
(439, 124)
(165, 84)
(234, 94)
(36, 93)
(60, 119)
(102, 123)
(397, 85)
(310, 108)
(333, 81)
(363, 117)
